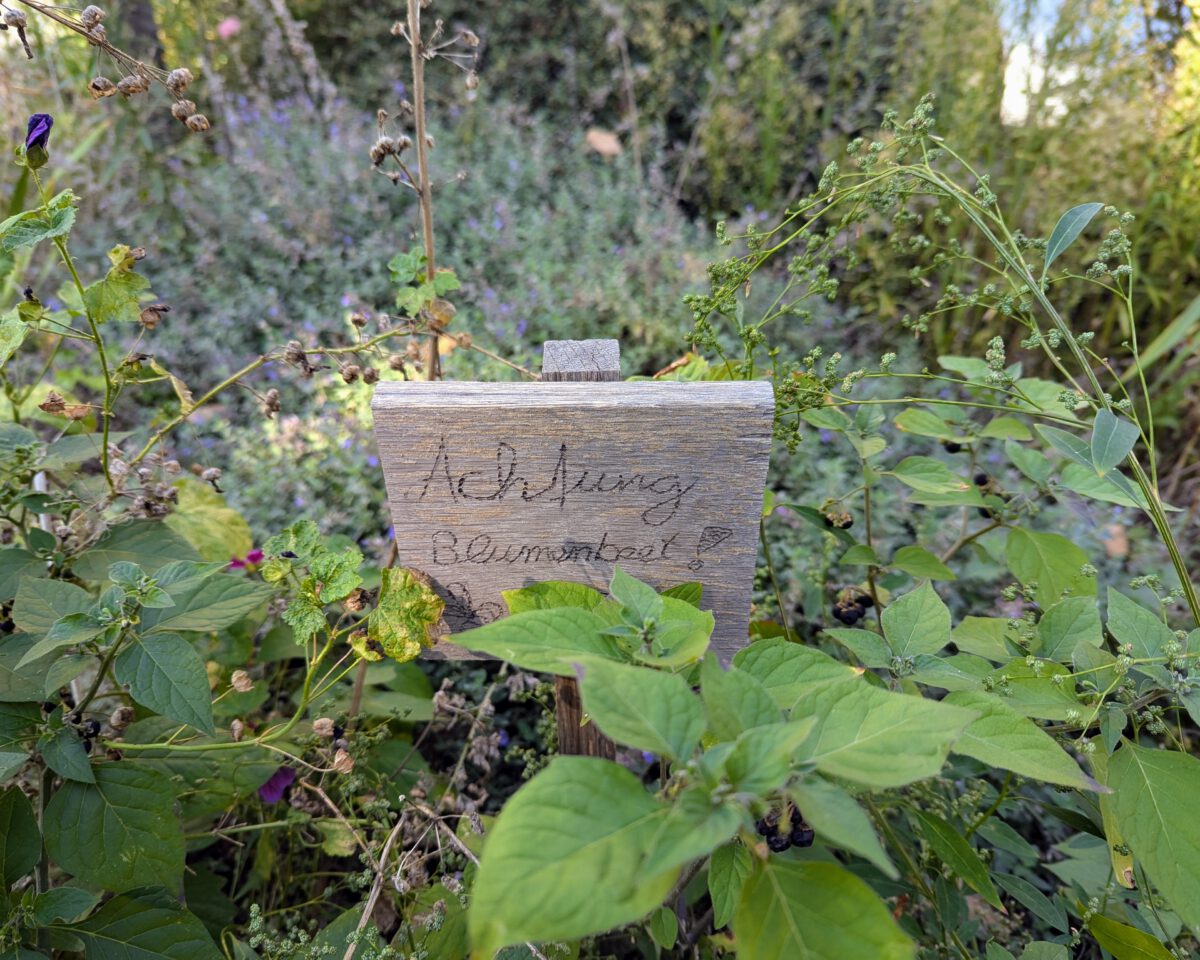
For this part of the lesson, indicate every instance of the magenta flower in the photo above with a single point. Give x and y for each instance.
(39, 131)
(273, 790)
(254, 557)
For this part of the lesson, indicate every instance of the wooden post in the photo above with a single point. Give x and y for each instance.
(596, 361)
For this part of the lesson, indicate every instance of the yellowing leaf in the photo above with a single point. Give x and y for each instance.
(407, 614)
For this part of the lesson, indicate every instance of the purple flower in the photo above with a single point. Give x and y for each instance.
(649, 757)
(39, 131)
(502, 739)
(273, 790)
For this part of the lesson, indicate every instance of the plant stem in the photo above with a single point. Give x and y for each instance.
(783, 617)
(423, 184)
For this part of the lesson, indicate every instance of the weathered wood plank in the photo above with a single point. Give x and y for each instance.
(499, 485)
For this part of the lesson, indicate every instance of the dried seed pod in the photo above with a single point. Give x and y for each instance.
(359, 319)
(91, 16)
(211, 475)
(178, 79)
(323, 727)
(131, 85)
(237, 730)
(396, 362)
(351, 372)
(472, 80)
(241, 682)
(469, 38)
(182, 109)
(152, 316)
(102, 87)
(97, 35)
(403, 142)
(343, 762)
(370, 375)
(197, 123)
(121, 718)
(15, 19)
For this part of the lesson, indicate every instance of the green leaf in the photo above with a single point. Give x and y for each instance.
(1154, 795)
(13, 331)
(1125, 942)
(870, 648)
(550, 594)
(1006, 428)
(794, 910)
(116, 298)
(728, 869)
(41, 603)
(1113, 440)
(925, 423)
(334, 576)
(1033, 690)
(948, 843)
(983, 637)
(75, 628)
(1066, 625)
(20, 841)
(406, 615)
(69, 904)
(860, 555)
(1068, 445)
(148, 543)
(148, 927)
(208, 523)
(640, 600)
(1070, 225)
(762, 759)
(1113, 488)
(791, 672)
(64, 754)
(644, 709)
(31, 227)
(10, 763)
(20, 684)
(580, 817)
(1033, 900)
(664, 927)
(207, 603)
(165, 674)
(550, 641)
(877, 738)
(1002, 737)
(1032, 463)
(840, 821)
(921, 563)
(680, 637)
(1054, 563)
(120, 832)
(689, 593)
(1133, 624)
(928, 476)
(16, 563)
(1045, 950)
(735, 700)
(916, 623)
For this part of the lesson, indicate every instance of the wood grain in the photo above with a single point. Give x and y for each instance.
(499, 485)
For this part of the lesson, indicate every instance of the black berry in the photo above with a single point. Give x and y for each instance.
(74, 719)
(91, 728)
(951, 447)
(865, 600)
(981, 479)
(48, 707)
(986, 513)
(763, 828)
(802, 835)
(87, 745)
(778, 843)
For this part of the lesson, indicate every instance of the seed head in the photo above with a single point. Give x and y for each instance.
(178, 79)
(241, 682)
(91, 16)
(182, 109)
(472, 80)
(323, 727)
(15, 19)
(469, 38)
(343, 762)
(396, 362)
(152, 315)
(236, 730)
(211, 475)
(121, 718)
(197, 123)
(102, 87)
(370, 375)
(351, 372)
(132, 85)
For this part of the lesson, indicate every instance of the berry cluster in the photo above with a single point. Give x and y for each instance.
(839, 520)
(783, 832)
(851, 606)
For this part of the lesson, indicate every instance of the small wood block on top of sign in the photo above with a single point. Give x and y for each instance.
(495, 486)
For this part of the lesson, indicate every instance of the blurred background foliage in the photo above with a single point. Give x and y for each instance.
(579, 184)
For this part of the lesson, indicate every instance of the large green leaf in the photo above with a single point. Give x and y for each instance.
(728, 869)
(148, 543)
(16, 563)
(13, 331)
(640, 600)
(165, 673)
(146, 927)
(762, 758)
(579, 818)
(839, 820)
(117, 297)
(919, 562)
(1067, 624)
(735, 700)
(120, 832)
(958, 855)
(791, 672)
(69, 631)
(1112, 440)
(30, 227)
(1155, 792)
(877, 738)
(208, 603)
(203, 519)
(1125, 942)
(1070, 225)
(916, 623)
(40, 603)
(1054, 563)
(1032, 689)
(64, 753)
(814, 911)
(552, 593)
(1131, 623)
(926, 475)
(20, 841)
(551, 641)
(643, 708)
(1002, 737)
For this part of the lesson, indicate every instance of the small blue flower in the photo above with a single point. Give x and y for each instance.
(39, 131)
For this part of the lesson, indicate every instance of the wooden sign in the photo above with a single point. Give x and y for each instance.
(495, 486)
